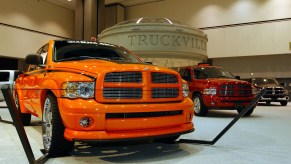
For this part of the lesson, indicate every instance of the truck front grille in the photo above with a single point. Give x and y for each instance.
(122, 93)
(235, 90)
(131, 77)
(138, 86)
(274, 91)
(165, 92)
(158, 77)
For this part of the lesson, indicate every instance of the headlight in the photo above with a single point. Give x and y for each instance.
(185, 90)
(209, 91)
(78, 89)
(286, 92)
(255, 91)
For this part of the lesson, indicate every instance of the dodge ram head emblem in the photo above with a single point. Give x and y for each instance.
(146, 68)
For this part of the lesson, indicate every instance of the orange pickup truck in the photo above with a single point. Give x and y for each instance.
(215, 88)
(88, 91)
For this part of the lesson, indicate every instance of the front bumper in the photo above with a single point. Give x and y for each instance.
(216, 102)
(105, 136)
(274, 98)
(106, 128)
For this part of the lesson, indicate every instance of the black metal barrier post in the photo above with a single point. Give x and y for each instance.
(19, 126)
(5, 121)
(248, 107)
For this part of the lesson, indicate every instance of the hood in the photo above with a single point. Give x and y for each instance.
(98, 66)
(269, 86)
(220, 81)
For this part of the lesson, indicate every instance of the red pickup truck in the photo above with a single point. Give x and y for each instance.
(213, 87)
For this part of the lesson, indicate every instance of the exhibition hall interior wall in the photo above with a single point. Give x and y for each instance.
(26, 25)
(240, 33)
(244, 36)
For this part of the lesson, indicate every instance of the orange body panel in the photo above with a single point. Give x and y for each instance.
(148, 115)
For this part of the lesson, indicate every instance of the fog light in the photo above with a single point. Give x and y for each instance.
(86, 121)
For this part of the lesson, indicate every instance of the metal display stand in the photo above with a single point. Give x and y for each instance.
(5, 121)
(248, 107)
(19, 127)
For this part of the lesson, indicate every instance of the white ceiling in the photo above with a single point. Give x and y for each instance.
(126, 3)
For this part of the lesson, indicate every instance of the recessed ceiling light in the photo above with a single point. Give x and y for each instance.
(69, 0)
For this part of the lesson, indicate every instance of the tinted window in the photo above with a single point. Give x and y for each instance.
(264, 81)
(181, 72)
(43, 53)
(16, 74)
(79, 50)
(211, 72)
(185, 74)
(4, 76)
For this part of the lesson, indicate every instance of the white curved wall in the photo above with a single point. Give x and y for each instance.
(249, 40)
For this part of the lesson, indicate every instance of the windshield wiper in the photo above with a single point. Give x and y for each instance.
(82, 58)
(116, 58)
(222, 76)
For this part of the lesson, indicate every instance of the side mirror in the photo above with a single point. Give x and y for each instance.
(237, 77)
(34, 59)
(148, 62)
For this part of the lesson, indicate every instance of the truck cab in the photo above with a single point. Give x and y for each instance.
(214, 87)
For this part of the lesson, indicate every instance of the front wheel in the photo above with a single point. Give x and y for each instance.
(53, 129)
(167, 139)
(268, 102)
(248, 113)
(199, 108)
(284, 103)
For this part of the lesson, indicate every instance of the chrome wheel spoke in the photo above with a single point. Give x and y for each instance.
(47, 125)
(196, 105)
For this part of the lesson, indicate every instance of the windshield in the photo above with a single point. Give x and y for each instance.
(82, 50)
(264, 81)
(211, 72)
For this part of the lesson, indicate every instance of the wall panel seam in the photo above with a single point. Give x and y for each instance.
(246, 24)
(30, 30)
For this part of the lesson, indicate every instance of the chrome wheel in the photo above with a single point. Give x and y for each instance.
(197, 104)
(47, 124)
(16, 101)
(199, 108)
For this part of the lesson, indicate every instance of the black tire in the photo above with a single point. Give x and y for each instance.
(284, 103)
(199, 107)
(268, 102)
(248, 113)
(53, 129)
(168, 139)
(24, 117)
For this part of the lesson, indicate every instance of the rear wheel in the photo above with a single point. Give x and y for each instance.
(25, 117)
(53, 129)
(284, 103)
(199, 108)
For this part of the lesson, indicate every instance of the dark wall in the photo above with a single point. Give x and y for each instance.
(12, 64)
(8, 63)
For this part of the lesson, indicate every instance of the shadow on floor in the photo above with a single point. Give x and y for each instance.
(132, 152)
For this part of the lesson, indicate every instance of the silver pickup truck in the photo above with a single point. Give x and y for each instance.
(7, 77)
